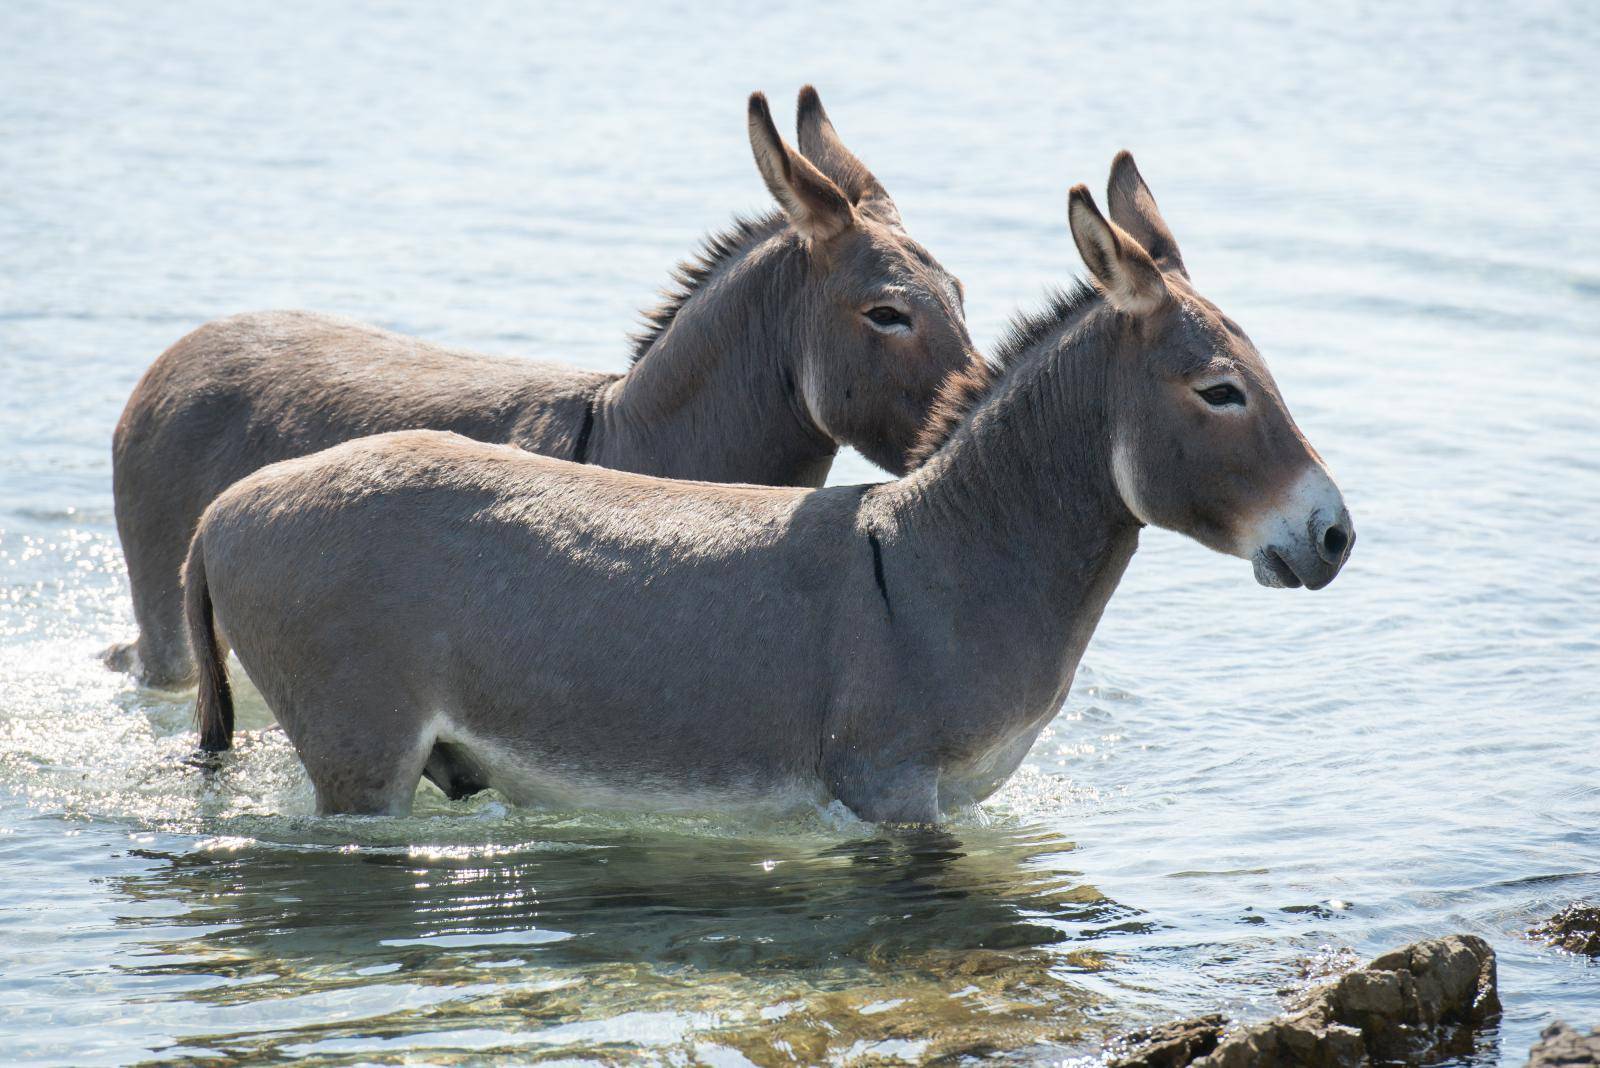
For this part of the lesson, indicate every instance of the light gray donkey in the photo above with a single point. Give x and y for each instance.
(418, 603)
(819, 325)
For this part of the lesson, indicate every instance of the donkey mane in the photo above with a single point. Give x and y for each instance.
(689, 275)
(965, 390)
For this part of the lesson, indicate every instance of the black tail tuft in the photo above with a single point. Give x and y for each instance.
(213, 705)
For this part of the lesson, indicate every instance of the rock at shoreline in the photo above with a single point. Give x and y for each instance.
(1575, 928)
(1418, 1002)
(1560, 1046)
(1172, 1045)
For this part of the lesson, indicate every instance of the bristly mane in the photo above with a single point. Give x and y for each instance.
(967, 388)
(689, 275)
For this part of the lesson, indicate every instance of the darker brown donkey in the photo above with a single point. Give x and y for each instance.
(815, 326)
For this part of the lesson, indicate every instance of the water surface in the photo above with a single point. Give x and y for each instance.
(1247, 788)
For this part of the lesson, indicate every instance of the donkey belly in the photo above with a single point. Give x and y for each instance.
(550, 772)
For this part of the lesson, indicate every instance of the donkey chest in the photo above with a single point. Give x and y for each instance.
(988, 737)
(969, 780)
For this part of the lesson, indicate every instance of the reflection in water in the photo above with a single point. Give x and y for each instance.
(791, 949)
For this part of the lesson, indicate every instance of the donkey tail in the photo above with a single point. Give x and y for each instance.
(213, 705)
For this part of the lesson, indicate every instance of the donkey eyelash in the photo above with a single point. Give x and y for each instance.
(1222, 395)
(887, 317)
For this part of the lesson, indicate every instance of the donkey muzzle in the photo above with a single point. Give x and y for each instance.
(1307, 541)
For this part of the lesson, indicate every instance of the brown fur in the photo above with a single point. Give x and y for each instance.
(716, 252)
(968, 387)
(755, 369)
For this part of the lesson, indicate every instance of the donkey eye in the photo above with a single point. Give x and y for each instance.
(1222, 395)
(883, 315)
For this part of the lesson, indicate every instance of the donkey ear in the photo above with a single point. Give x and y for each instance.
(814, 205)
(1125, 272)
(1134, 209)
(820, 143)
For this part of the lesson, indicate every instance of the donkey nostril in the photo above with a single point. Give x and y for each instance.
(1334, 542)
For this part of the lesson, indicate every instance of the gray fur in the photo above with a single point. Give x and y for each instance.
(576, 636)
(755, 371)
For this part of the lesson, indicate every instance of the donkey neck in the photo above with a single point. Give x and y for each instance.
(1017, 515)
(716, 396)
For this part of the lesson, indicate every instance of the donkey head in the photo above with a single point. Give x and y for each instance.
(881, 322)
(1201, 440)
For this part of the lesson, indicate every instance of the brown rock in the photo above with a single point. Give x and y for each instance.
(1419, 1002)
(1415, 1002)
(1171, 1045)
(1575, 928)
(1376, 992)
(1561, 1046)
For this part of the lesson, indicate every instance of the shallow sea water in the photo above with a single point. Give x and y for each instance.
(1246, 789)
